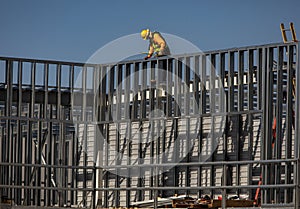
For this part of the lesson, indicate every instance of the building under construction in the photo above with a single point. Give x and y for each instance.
(217, 124)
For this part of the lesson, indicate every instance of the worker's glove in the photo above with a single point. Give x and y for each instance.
(148, 56)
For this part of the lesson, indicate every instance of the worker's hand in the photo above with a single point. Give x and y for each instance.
(159, 54)
(147, 57)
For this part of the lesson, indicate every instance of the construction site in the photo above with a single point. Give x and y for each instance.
(214, 129)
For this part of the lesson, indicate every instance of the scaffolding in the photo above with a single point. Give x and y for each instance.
(217, 123)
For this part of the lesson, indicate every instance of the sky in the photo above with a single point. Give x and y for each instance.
(73, 30)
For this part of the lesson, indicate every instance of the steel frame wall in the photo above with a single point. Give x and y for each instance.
(83, 134)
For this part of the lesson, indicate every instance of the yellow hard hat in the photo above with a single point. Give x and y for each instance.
(145, 34)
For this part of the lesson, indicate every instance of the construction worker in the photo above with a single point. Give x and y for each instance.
(157, 44)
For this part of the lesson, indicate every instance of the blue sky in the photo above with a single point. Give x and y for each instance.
(73, 30)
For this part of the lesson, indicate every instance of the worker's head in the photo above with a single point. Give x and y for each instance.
(145, 34)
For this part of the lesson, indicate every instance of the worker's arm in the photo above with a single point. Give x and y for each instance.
(150, 52)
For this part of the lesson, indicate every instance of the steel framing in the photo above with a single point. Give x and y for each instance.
(108, 135)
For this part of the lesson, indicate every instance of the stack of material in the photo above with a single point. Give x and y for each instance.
(160, 202)
(188, 202)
